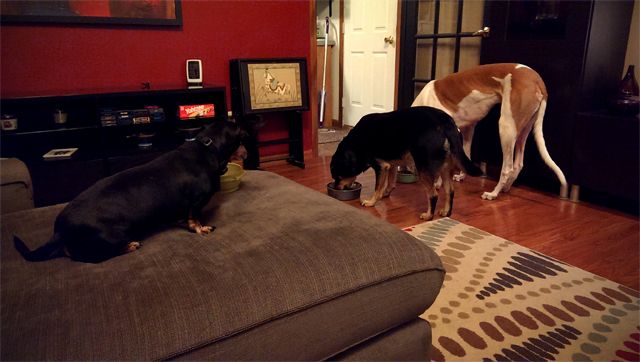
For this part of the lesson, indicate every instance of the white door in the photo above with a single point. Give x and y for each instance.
(369, 58)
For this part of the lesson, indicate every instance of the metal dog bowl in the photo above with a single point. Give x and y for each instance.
(406, 177)
(346, 194)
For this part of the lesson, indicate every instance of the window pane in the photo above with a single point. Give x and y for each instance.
(426, 16)
(446, 53)
(448, 16)
(472, 15)
(469, 52)
(423, 58)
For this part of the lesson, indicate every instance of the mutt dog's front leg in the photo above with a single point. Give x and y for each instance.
(382, 178)
(427, 181)
(391, 181)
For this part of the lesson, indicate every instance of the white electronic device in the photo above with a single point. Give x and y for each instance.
(194, 73)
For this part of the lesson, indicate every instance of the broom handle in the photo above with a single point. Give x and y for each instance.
(324, 70)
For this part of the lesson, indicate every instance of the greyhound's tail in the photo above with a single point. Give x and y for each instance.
(542, 148)
(52, 249)
(455, 146)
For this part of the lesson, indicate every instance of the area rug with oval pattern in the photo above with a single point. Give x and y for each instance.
(501, 301)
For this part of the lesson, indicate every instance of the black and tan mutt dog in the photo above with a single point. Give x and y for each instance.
(423, 138)
(105, 220)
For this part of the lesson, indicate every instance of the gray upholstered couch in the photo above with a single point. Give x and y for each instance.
(15, 186)
(289, 274)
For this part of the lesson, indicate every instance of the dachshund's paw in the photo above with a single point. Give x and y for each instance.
(204, 229)
(132, 246)
(194, 226)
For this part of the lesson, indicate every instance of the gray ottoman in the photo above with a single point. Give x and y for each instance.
(289, 274)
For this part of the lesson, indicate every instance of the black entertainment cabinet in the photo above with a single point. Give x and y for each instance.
(102, 150)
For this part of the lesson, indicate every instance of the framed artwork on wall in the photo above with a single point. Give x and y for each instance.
(124, 12)
(269, 85)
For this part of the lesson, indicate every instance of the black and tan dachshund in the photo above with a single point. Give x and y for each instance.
(109, 218)
(423, 138)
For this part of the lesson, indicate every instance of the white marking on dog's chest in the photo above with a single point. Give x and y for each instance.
(474, 107)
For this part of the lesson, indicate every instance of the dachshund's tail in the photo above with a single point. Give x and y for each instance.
(52, 249)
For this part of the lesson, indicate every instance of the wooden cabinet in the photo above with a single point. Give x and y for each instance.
(578, 48)
(605, 159)
(102, 150)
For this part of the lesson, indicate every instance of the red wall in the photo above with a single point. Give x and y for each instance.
(55, 59)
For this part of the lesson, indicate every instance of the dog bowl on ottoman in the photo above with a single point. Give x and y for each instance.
(346, 194)
(230, 181)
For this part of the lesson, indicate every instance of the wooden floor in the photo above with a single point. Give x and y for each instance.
(596, 239)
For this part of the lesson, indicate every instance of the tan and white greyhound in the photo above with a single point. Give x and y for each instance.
(468, 96)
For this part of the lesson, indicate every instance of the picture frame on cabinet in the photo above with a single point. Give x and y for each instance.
(269, 85)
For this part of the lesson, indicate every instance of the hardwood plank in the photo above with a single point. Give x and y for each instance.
(602, 241)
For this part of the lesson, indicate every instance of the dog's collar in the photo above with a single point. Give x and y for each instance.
(206, 141)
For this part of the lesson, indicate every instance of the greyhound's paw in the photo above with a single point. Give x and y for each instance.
(368, 203)
(459, 177)
(489, 196)
(426, 216)
(445, 213)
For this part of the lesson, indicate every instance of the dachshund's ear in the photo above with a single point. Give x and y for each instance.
(242, 133)
(251, 124)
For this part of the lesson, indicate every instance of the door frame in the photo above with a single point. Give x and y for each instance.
(398, 42)
(313, 86)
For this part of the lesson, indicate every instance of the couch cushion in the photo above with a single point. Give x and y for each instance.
(282, 256)
(408, 342)
(15, 186)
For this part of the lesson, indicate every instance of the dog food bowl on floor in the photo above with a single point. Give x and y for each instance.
(346, 194)
(230, 181)
(406, 177)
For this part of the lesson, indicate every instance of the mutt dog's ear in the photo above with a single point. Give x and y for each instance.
(345, 163)
(350, 157)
